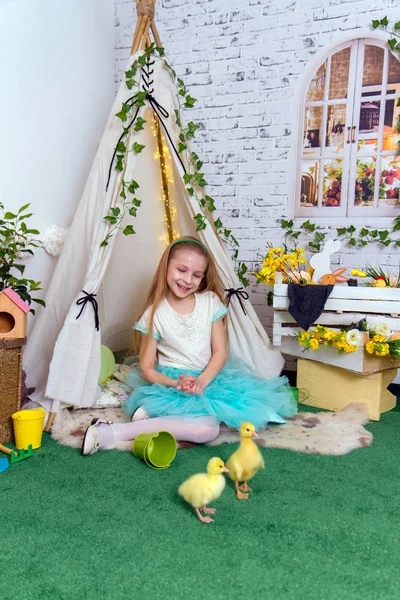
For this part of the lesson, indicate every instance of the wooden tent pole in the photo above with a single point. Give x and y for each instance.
(49, 421)
(136, 42)
(145, 34)
(145, 21)
(157, 38)
(138, 24)
(55, 406)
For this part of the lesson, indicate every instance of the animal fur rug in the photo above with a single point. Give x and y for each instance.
(333, 433)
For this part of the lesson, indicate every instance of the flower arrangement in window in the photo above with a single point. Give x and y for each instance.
(378, 341)
(389, 181)
(332, 185)
(365, 180)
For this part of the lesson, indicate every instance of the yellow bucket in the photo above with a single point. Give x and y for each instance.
(28, 427)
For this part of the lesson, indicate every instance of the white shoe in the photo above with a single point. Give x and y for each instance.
(91, 442)
(139, 414)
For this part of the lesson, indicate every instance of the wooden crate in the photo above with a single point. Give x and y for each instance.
(345, 305)
(334, 388)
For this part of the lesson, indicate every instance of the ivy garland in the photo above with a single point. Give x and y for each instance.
(353, 237)
(193, 178)
(394, 32)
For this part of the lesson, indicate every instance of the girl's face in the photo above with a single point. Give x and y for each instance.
(185, 272)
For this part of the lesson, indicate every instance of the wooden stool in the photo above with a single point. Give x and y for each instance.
(333, 388)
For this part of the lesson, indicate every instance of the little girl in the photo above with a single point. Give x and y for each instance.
(186, 385)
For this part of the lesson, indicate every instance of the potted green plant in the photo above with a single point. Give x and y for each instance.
(17, 241)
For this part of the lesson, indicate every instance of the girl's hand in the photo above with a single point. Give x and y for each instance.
(189, 385)
(194, 390)
(185, 382)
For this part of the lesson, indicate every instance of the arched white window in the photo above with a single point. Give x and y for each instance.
(348, 163)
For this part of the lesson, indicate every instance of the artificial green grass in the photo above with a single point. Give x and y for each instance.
(108, 527)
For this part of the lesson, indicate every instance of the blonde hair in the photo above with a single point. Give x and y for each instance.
(159, 287)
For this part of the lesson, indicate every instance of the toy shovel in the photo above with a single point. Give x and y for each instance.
(17, 456)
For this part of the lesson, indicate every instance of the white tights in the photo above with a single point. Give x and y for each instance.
(188, 429)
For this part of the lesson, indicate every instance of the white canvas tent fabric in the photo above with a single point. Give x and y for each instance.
(62, 356)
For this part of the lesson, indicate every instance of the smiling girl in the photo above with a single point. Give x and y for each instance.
(186, 384)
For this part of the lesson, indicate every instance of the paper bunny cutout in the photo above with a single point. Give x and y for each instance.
(321, 262)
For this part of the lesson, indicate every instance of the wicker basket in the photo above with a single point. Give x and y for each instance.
(10, 384)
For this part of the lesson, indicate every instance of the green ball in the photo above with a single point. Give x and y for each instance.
(107, 364)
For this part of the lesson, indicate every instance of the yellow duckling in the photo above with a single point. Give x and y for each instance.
(245, 462)
(202, 488)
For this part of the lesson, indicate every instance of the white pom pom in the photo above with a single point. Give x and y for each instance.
(53, 240)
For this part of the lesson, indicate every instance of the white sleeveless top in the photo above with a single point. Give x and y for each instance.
(184, 341)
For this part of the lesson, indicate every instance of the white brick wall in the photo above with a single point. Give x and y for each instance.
(242, 60)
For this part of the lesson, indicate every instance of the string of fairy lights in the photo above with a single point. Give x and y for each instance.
(162, 154)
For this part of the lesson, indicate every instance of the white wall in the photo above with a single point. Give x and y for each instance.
(56, 90)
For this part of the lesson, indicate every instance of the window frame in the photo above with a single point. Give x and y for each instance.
(347, 212)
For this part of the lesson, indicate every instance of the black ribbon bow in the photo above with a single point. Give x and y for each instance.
(164, 114)
(89, 298)
(157, 106)
(239, 293)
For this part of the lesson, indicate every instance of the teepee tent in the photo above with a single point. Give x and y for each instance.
(144, 164)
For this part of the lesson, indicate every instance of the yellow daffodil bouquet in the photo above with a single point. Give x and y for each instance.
(344, 341)
(290, 263)
(378, 341)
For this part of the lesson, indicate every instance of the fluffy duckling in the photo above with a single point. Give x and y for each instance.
(245, 462)
(202, 488)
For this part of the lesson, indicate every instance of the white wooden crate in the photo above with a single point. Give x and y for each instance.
(345, 305)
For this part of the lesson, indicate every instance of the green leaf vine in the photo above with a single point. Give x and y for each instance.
(352, 236)
(394, 31)
(193, 179)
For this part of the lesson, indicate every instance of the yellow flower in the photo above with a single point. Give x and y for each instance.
(304, 336)
(328, 334)
(379, 338)
(383, 350)
(349, 348)
(369, 346)
(314, 344)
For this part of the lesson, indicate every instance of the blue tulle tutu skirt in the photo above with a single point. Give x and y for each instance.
(235, 395)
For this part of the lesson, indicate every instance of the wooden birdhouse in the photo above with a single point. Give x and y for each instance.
(13, 312)
(12, 315)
